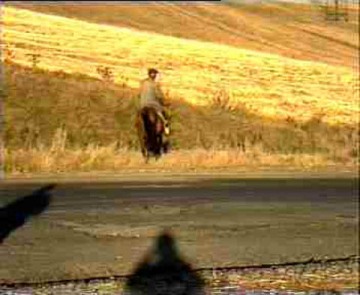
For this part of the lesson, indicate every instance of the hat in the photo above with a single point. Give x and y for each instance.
(152, 70)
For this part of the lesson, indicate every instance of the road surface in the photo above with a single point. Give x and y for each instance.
(92, 229)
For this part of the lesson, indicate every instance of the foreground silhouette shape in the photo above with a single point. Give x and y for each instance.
(16, 214)
(163, 272)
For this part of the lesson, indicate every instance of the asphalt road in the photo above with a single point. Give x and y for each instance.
(85, 229)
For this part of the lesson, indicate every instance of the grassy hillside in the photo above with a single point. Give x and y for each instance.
(197, 72)
(61, 122)
(291, 30)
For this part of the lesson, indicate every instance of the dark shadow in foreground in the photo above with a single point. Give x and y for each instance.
(16, 214)
(163, 272)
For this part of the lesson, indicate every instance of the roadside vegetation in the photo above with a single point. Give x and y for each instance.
(59, 122)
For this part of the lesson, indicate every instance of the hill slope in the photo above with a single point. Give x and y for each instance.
(292, 30)
(266, 84)
(65, 122)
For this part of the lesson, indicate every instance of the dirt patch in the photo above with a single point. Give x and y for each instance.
(112, 230)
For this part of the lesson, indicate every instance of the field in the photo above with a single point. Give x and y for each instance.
(242, 107)
(267, 84)
(295, 31)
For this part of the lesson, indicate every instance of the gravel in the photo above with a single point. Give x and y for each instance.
(311, 278)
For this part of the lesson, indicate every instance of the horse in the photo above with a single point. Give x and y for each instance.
(151, 133)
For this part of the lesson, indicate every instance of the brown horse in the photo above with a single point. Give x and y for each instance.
(151, 131)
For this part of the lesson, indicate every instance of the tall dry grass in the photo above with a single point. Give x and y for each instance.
(57, 122)
(92, 158)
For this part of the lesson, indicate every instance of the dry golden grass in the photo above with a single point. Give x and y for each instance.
(50, 135)
(266, 84)
(292, 30)
(109, 158)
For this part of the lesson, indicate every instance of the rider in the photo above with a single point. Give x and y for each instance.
(152, 96)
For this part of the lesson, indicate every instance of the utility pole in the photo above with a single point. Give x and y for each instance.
(336, 10)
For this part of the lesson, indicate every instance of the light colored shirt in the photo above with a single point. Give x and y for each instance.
(151, 94)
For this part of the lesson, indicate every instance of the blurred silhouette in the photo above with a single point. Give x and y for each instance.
(18, 212)
(164, 272)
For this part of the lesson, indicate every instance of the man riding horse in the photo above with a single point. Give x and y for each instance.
(152, 102)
